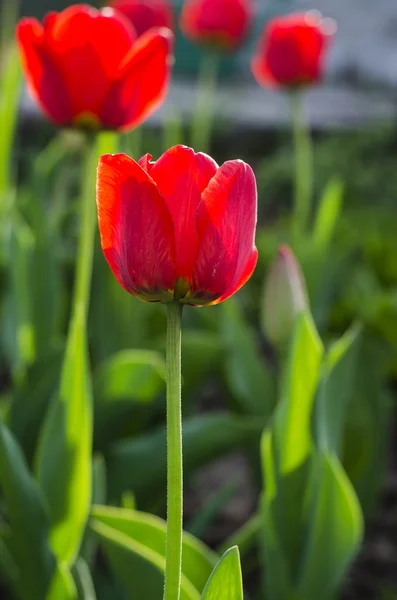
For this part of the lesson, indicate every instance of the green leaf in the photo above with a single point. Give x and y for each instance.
(125, 380)
(18, 326)
(336, 390)
(140, 464)
(9, 102)
(336, 530)
(8, 567)
(328, 213)
(84, 583)
(31, 399)
(64, 458)
(150, 531)
(226, 581)
(248, 378)
(287, 453)
(27, 542)
(140, 569)
(293, 420)
(62, 586)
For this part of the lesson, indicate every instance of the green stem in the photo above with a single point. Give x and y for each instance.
(10, 81)
(86, 245)
(173, 560)
(303, 166)
(203, 117)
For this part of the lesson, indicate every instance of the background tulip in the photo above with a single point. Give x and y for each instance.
(144, 14)
(78, 80)
(291, 50)
(178, 228)
(284, 299)
(219, 23)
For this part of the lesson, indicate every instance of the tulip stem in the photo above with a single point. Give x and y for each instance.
(173, 561)
(202, 120)
(303, 166)
(85, 252)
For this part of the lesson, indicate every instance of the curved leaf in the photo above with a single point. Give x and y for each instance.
(226, 581)
(140, 569)
(149, 530)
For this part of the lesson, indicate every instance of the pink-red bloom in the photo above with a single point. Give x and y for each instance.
(86, 68)
(291, 50)
(222, 24)
(179, 228)
(144, 14)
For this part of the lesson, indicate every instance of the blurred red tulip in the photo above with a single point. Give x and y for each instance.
(144, 14)
(219, 23)
(291, 50)
(86, 69)
(179, 228)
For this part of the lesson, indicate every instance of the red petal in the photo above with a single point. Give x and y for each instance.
(181, 176)
(146, 162)
(44, 80)
(136, 228)
(143, 83)
(76, 40)
(144, 14)
(221, 22)
(226, 221)
(290, 51)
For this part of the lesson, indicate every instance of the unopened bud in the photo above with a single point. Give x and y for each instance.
(285, 297)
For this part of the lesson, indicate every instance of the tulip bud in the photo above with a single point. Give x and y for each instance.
(285, 297)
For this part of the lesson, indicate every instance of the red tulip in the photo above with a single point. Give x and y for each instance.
(85, 68)
(144, 14)
(291, 50)
(220, 23)
(179, 228)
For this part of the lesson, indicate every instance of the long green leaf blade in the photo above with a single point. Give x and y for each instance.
(64, 458)
(27, 542)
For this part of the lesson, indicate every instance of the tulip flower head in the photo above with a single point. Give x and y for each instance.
(291, 50)
(180, 228)
(222, 24)
(86, 68)
(144, 14)
(285, 297)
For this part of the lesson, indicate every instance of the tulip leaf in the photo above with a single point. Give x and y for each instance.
(83, 579)
(32, 397)
(226, 581)
(327, 214)
(27, 543)
(336, 390)
(205, 438)
(150, 531)
(8, 567)
(18, 326)
(140, 569)
(127, 380)
(247, 375)
(287, 454)
(62, 586)
(293, 420)
(10, 82)
(64, 458)
(335, 531)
